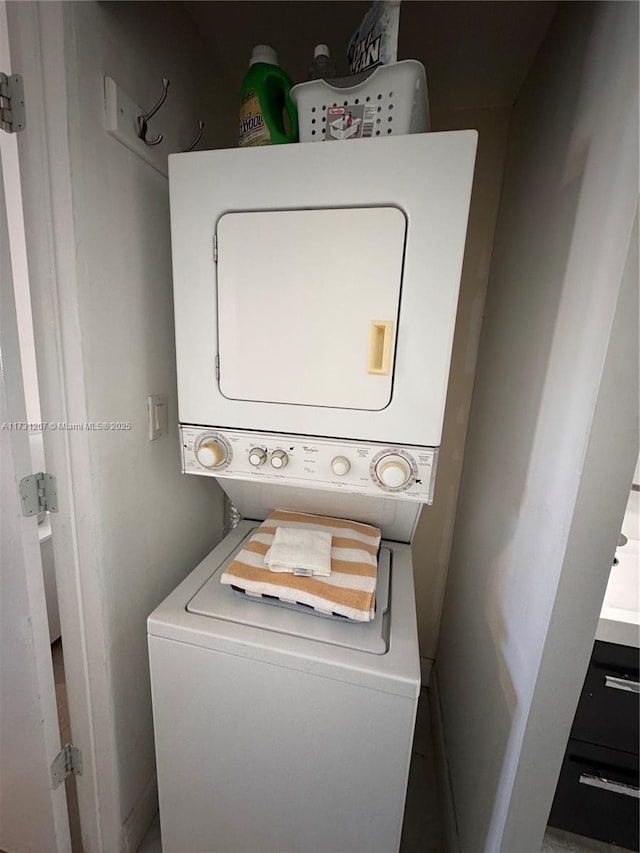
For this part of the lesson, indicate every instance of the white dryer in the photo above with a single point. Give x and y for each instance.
(315, 291)
(316, 286)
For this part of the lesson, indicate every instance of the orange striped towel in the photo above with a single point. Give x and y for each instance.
(350, 589)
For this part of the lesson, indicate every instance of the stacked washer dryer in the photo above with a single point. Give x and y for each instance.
(315, 296)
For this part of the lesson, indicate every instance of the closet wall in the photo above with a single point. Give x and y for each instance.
(432, 542)
(553, 434)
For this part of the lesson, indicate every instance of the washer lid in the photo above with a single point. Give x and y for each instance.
(219, 601)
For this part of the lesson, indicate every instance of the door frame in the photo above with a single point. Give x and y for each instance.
(42, 51)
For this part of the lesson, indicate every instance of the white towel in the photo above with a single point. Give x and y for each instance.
(301, 551)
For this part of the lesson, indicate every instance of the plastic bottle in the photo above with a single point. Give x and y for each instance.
(323, 66)
(264, 100)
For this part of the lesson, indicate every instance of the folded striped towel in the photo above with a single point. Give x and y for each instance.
(349, 590)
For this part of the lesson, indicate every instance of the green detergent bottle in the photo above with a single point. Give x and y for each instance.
(265, 99)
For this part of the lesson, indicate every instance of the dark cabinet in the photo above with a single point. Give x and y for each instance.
(598, 790)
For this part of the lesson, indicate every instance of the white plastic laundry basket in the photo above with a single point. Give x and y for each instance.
(391, 100)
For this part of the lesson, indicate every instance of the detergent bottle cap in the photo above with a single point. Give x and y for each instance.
(320, 50)
(263, 53)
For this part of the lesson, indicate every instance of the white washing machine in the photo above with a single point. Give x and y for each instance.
(315, 291)
(278, 730)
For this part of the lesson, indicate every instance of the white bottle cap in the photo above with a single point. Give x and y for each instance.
(264, 53)
(321, 50)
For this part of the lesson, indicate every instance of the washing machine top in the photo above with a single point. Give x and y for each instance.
(381, 655)
(217, 600)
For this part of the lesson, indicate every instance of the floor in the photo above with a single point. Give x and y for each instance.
(64, 725)
(422, 832)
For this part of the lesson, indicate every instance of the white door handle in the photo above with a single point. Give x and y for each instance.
(622, 684)
(608, 785)
(380, 340)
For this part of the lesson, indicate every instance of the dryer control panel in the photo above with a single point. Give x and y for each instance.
(354, 467)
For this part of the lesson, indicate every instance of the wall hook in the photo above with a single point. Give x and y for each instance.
(197, 139)
(141, 121)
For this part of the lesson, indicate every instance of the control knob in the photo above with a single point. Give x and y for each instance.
(211, 453)
(393, 471)
(279, 459)
(257, 457)
(340, 466)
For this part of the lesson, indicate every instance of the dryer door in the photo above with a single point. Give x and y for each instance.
(308, 304)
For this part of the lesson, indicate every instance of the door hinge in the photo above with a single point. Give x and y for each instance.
(39, 493)
(217, 367)
(12, 112)
(215, 248)
(66, 762)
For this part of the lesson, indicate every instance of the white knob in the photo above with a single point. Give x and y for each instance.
(257, 456)
(279, 459)
(340, 465)
(211, 454)
(393, 471)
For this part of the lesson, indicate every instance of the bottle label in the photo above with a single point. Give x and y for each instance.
(253, 128)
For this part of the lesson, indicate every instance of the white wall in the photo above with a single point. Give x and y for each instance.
(152, 525)
(432, 542)
(553, 431)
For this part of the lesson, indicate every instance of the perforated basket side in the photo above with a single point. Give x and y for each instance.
(393, 100)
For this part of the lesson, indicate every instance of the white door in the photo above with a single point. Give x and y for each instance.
(33, 815)
(309, 317)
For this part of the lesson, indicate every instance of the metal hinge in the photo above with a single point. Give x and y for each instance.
(215, 248)
(66, 762)
(12, 112)
(217, 367)
(38, 493)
